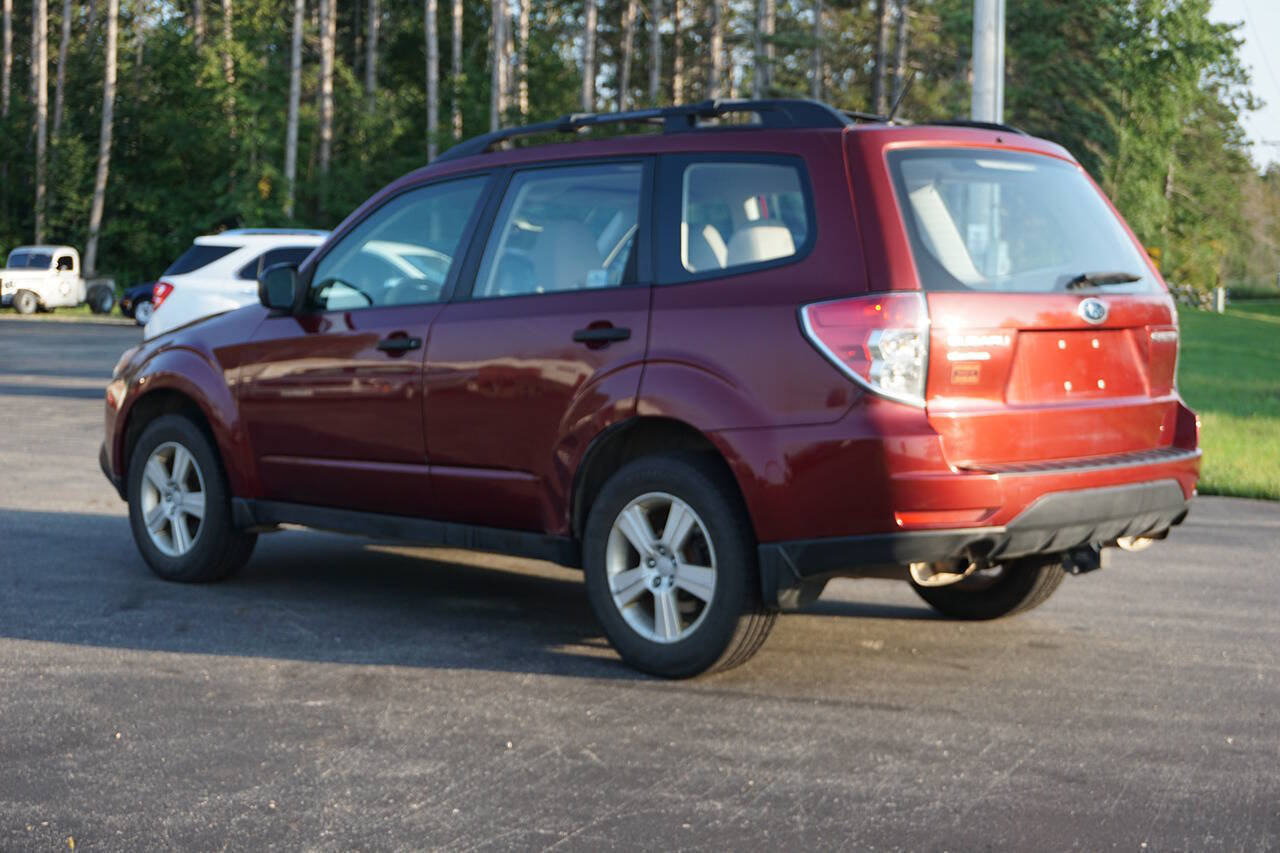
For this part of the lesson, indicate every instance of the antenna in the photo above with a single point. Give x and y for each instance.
(897, 102)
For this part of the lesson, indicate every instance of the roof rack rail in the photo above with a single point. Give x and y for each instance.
(262, 232)
(770, 113)
(981, 125)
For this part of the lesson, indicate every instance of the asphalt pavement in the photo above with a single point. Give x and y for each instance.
(343, 694)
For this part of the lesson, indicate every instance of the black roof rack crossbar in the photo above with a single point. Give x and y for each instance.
(771, 113)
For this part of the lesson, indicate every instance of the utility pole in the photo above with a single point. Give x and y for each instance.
(988, 61)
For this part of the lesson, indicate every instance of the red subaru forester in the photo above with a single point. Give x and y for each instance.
(714, 365)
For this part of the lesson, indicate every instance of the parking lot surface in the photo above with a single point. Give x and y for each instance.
(345, 694)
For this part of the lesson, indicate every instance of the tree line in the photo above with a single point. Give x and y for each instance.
(173, 119)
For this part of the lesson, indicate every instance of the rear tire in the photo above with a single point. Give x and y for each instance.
(687, 599)
(25, 302)
(180, 506)
(1019, 586)
(101, 299)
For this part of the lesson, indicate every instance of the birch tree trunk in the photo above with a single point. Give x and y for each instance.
(228, 62)
(758, 73)
(497, 21)
(628, 39)
(524, 58)
(371, 54)
(40, 61)
(715, 76)
(328, 37)
(6, 61)
(677, 56)
(104, 140)
(879, 95)
(295, 102)
(655, 50)
(430, 13)
(589, 58)
(62, 67)
(818, 32)
(456, 70)
(770, 27)
(509, 84)
(197, 22)
(229, 66)
(900, 60)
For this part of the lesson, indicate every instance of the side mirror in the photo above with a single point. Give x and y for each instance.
(278, 287)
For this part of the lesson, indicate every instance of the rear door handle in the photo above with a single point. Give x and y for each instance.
(399, 343)
(602, 334)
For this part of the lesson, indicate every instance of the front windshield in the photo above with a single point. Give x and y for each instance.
(997, 221)
(26, 259)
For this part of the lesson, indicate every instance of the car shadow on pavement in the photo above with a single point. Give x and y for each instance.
(78, 579)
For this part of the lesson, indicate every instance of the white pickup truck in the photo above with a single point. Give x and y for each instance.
(42, 277)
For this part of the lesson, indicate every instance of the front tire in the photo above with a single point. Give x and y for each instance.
(179, 505)
(25, 302)
(142, 312)
(670, 564)
(1003, 590)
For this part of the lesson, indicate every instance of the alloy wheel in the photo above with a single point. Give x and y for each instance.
(173, 499)
(661, 567)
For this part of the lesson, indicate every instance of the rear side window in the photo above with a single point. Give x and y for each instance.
(1002, 221)
(736, 213)
(284, 255)
(564, 228)
(198, 256)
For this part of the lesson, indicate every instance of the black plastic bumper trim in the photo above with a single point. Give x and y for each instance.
(116, 482)
(1055, 522)
(445, 534)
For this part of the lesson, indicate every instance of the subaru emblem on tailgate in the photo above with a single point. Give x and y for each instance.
(1093, 310)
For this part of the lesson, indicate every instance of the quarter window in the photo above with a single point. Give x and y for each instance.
(401, 254)
(568, 228)
(740, 214)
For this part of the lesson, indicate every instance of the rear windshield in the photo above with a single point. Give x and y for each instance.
(196, 257)
(20, 259)
(991, 221)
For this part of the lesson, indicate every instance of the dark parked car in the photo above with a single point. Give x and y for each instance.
(137, 303)
(714, 366)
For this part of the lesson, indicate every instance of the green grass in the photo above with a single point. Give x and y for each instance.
(1229, 372)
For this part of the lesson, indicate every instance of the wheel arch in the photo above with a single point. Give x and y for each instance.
(631, 439)
(179, 387)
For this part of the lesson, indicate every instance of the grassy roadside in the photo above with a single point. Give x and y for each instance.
(1229, 372)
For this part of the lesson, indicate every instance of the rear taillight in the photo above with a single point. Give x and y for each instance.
(160, 293)
(881, 342)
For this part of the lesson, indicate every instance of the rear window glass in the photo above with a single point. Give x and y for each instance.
(285, 255)
(997, 221)
(26, 259)
(198, 256)
(739, 214)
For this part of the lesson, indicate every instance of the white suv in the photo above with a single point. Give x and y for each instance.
(219, 273)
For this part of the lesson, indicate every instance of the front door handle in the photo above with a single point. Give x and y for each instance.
(601, 334)
(399, 343)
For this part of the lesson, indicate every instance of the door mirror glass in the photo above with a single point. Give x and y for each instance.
(278, 287)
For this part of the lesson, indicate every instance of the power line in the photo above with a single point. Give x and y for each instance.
(1248, 19)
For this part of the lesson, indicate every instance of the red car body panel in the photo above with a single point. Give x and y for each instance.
(489, 422)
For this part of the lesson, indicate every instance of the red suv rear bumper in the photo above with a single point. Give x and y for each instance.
(873, 492)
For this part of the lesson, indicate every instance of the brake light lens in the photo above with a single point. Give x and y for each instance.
(160, 293)
(881, 342)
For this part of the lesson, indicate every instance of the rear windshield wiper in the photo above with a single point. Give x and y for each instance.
(1098, 279)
